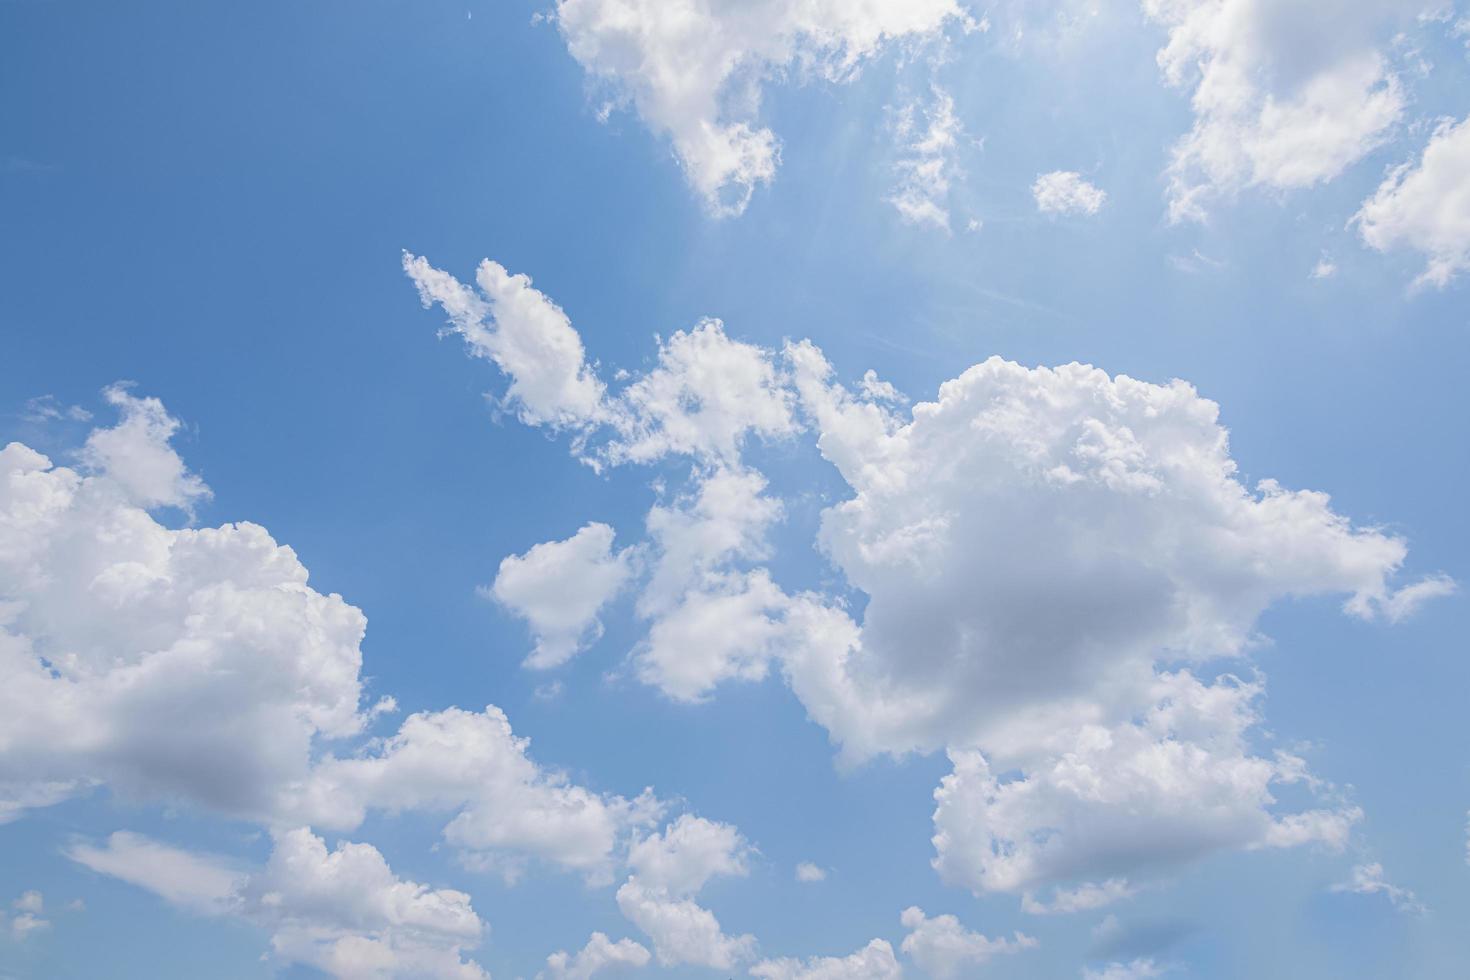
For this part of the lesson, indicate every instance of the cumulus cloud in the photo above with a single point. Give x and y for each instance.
(472, 766)
(28, 917)
(1426, 207)
(703, 398)
(342, 911)
(1083, 898)
(598, 956)
(808, 873)
(1034, 540)
(930, 136)
(181, 664)
(1178, 784)
(1279, 101)
(1066, 192)
(197, 666)
(1139, 969)
(526, 335)
(706, 394)
(944, 948)
(558, 587)
(874, 961)
(694, 70)
(1368, 879)
(669, 869)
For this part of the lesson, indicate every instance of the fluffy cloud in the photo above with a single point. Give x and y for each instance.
(1175, 785)
(1140, 969)
(808, 873)
(1046, 556)
(29, 915)
(1031, 543)
(343, 911)
(199, 883)
(599, 955)
(944, 948)
(1066, 192)
(558, 587)
(189, 664)
(1279, 101)
(471, 765)
(874, 961)
(526, 335)
(929, 162)
(706, 394)
(1368, 879)
(1426, 207)
(694, 69)
(669, 868)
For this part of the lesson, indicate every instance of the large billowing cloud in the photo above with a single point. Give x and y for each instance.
(1426, 207)
(694, 69)
(1286, 93)
(190, 664)
(342, 911)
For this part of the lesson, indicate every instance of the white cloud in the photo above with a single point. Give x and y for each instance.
(1083, 898)
(1175, 785)
(471, 765)
(1279, 100)
(706, 394)
(704, 397)
(1033, 541)
(808, 873)
(599, 955)
(669, 868)
(694, 69)
(1368, 879)
(343, 911)
(688, 852)
(944, 948)
(1066, 192)
(29, 914)
(559, 587)
(929, 162)
(136, 457)
(188, 664)
(1325, 268)
(199, 883)
(874, 961)
(526, 335)
(1139, 969)
(1426, 207)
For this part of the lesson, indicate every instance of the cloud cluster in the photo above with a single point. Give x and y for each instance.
(341, 911)
(874, 961)
(694, 69)
(1047, 558)
(930, 135)
(599, 955)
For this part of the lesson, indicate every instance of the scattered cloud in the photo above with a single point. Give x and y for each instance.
(1066, 192)
(1426, 206)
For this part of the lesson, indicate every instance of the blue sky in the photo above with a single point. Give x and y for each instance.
(1033, 569)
